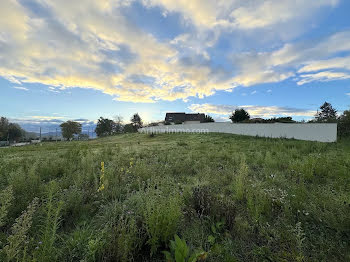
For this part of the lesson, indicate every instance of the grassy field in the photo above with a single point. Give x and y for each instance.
(227, 197)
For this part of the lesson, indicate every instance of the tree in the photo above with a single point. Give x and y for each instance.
(70, 128)
(239, 115)
(208, 119)
(4, 125)
(130, 128)
(327, 113)
(15, 132)
(344, 124)
(104, 127)
(136, 121)
(10, 131)
(118, 124)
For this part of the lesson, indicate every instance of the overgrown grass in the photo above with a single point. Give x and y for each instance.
(229, 198)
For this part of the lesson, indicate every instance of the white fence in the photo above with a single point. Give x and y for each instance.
(312, 132)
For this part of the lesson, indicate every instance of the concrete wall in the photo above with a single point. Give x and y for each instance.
(191, 122)
(311, 132)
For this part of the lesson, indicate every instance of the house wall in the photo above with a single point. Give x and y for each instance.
(308, 131)
(192, 122)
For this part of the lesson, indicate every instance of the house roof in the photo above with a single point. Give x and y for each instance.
(195, 117)
(182, 117)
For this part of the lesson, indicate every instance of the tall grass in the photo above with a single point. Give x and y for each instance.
(273, 199)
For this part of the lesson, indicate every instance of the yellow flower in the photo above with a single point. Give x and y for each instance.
(101, 188)
(102, 177)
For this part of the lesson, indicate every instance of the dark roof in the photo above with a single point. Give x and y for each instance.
(195, 117)
(182, 117)
(175, 117)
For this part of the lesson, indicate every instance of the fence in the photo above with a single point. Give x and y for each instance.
(302, 131)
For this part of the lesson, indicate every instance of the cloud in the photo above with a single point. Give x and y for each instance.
(266, 13)
(324, 76)
(49, 123)
(241, 14)
(20, 88)
(67, 44)
(334, 63)
(294, 60)
(254, 110)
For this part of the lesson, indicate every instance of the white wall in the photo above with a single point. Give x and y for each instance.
(192, 122)
(312, 132)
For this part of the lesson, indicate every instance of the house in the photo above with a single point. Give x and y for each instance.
(183, 118)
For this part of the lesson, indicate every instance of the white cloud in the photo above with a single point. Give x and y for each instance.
(333, 63)
(254, 110)
(20, 88)
(291, 59)
(242, 14)
(324, 76)
(77, 44)
(266, 13)
(47, 117)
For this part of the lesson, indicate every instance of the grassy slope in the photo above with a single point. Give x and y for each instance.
(282, 200)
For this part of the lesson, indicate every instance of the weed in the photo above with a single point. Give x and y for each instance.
(6, 199)
(18, 241)
(180, 252)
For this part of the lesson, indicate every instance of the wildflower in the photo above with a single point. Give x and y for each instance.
(102, 186)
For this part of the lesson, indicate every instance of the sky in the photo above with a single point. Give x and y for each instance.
(79, 60)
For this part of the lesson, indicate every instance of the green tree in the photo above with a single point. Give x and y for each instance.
(208, 119)
(136, 121)
(70, 128)
(327, 113)
(130, 128)
(104, 127)
(4, 126)
(239, 115)
(344, 124)
(15, 132)
(10, 131)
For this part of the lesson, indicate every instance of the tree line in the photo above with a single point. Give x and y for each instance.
(104, 127)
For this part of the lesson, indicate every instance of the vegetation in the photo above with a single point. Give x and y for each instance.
(239, 115)
(105, 127)
(10, 131)
(208, 119)
(127, 197)
(136, 121)
(327, 113)
(70, 128)
(108, 127)
(344, 124)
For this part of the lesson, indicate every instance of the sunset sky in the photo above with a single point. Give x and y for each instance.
(79, 60)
